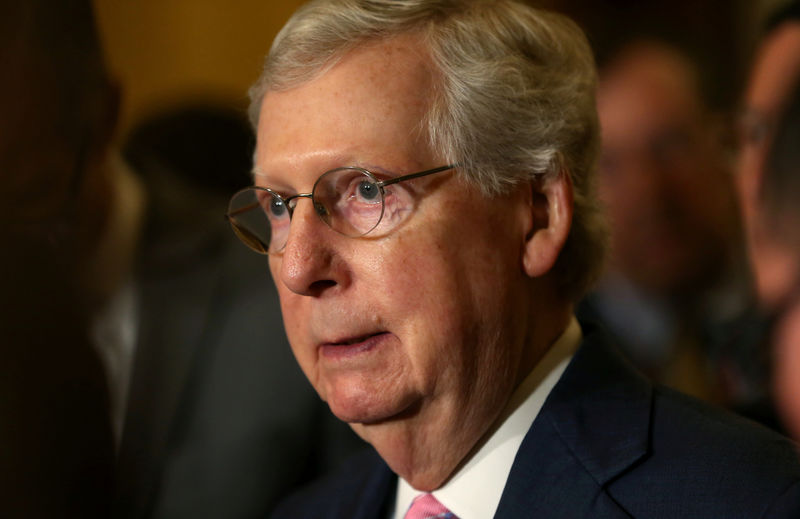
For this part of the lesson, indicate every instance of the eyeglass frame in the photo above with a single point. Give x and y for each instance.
(379, 183)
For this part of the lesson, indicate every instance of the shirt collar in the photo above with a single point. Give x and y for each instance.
(475, 490)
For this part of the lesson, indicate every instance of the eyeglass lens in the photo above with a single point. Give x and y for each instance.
(349, 200)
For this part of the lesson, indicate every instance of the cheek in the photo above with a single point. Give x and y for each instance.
(274, 269)
(748, 180)
(416, 291)
(454, 290)
(295, 319)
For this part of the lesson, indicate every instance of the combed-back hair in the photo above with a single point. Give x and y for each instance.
(513, 97)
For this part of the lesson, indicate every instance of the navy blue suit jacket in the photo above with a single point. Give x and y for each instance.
(607, 444)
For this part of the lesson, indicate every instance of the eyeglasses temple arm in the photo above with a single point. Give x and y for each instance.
(417, 175)
(241, 210)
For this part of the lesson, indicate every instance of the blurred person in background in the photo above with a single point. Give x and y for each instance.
(677, 288)
(775, 71)
(769, 170)
(780, 218)
(219, 421)
(56, 446)
(130, 322)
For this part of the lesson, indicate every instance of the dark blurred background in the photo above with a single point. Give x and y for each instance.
(164, 52)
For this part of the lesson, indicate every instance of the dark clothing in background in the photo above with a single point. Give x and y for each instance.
(56, 447)
(731, 354)
(220, 421)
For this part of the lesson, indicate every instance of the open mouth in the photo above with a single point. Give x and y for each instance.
(354, 346)
(356, 340)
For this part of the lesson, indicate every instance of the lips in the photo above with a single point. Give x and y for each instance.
(350, 342)
(353, 346)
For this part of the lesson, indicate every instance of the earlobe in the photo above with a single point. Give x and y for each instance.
(550, 222)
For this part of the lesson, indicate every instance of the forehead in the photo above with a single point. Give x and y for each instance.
(373, 100)
(646, 81)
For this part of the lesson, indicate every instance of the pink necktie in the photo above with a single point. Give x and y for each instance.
(425, 506)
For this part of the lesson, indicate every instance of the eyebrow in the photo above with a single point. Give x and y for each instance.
(256, 171)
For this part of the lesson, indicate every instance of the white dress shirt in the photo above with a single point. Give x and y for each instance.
(474, 491)
(114, 332)
(114, 328)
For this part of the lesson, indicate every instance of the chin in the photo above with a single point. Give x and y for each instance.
(356, 404)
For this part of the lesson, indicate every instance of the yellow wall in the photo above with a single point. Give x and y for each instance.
(170, 51)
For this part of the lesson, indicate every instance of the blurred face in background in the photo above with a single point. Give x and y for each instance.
(661, 173)
(776, 70)
(774, 258)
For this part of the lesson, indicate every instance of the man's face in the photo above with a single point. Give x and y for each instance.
(413, 334)
(776, 70)
(669, 200)
(775, 264)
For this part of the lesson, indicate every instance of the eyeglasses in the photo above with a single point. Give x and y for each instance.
(350, 200)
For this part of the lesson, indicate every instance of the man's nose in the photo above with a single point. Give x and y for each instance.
(310, 264)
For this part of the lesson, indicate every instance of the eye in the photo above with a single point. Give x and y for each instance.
(273, 206)
(368, 191)
(276, 207)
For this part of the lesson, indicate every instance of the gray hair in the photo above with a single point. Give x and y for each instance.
(513, 99)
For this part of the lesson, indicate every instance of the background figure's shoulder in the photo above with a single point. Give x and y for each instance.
(361, 487)
(730, 438)
(659, 453)
(721, 463)
(787, 505)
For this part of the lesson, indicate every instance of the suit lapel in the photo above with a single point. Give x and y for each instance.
(593, 426)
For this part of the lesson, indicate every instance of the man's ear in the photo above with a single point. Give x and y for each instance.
(550, 207)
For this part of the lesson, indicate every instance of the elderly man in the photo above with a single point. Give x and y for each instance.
(423, 194)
